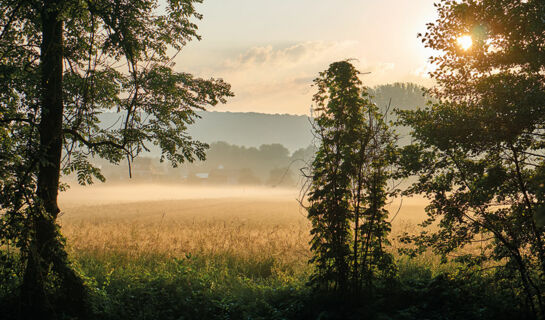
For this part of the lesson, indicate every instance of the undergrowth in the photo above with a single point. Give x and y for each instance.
(230, 287)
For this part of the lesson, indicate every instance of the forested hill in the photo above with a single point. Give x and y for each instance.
(403, 95)
(253, 129)
(292, 131)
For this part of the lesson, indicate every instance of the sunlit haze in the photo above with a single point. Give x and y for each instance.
(465, 42)
(77, 197)
(132, 192)
(270, 51)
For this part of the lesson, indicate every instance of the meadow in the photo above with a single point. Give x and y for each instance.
(178, 252)
(160, 251)
(246, 223)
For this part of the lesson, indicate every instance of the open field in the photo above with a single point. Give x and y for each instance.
(244, 226)
(174, 221)
(186, 252)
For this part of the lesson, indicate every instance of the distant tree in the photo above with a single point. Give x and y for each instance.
(479, 151)
(399, 95)
(281, 177)
(348, 183)
(234, 158)
(274, 154)
(304, 154)
(218, 176)
(62, 62)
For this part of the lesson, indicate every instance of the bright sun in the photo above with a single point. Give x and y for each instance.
(465, 42)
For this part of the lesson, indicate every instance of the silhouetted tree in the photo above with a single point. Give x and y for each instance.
(479, 151)
(348, 188)
(61, 63)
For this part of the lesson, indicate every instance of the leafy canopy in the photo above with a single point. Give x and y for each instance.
(478, 152)
(118, 57)
(62, 63)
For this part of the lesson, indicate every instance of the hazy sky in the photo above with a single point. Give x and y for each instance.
(271, 50)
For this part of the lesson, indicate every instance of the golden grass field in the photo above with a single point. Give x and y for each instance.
(172, 221)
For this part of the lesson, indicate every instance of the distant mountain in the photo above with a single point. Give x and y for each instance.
(246, 129)
(294, 132)
(251, 148)
(400, 95)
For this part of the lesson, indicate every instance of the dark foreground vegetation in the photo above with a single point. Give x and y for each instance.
(156, 287)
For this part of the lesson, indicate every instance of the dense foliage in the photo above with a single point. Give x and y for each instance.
(478, 151)
(62, 63)
(153, 287)
(348, 188)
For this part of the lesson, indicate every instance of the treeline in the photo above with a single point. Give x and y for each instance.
(270, 164)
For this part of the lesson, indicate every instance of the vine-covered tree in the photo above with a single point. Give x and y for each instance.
(348, 183)
(62, 62)
(479, 150)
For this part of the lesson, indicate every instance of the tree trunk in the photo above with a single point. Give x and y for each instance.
(46, 253)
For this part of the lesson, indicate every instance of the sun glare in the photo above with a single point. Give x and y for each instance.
(465, 42)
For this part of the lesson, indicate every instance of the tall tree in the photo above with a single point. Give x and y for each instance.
(348, 182)
(62, 62)
(479, 150)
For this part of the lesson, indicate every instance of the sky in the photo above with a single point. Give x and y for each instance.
(271, 50)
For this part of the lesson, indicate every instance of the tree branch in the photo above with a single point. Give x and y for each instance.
(90, 144)
(16, 119)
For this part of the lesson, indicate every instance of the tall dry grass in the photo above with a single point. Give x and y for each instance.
(243, 225)
(245, 229)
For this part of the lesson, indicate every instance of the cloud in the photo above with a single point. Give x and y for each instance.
(382, 67)
(280, 77)
(304, 53)
(424, 70)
